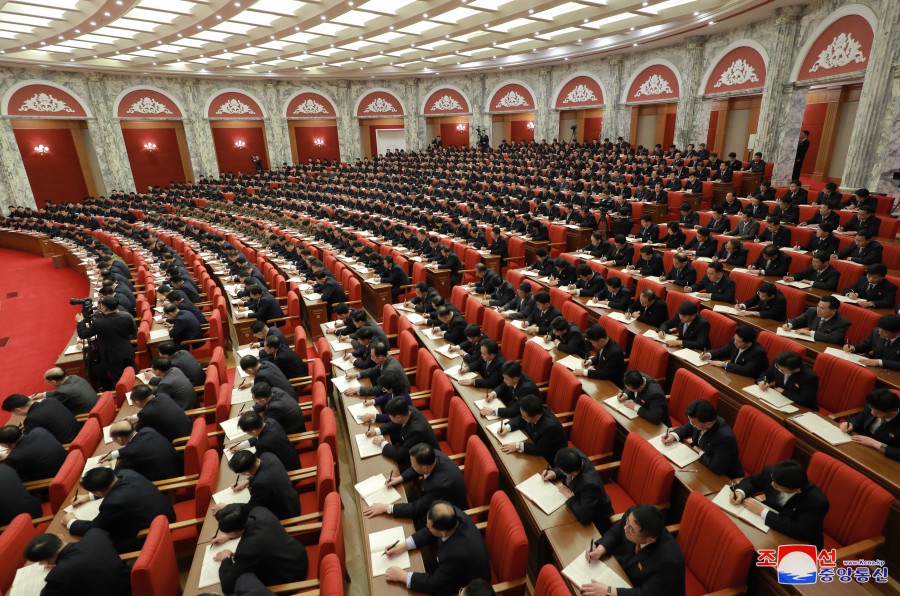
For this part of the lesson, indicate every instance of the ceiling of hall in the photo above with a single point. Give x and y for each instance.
(345, 39)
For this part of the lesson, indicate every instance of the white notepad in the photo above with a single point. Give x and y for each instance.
(401, 307)
(480, 403)
(338, 345)
(433, 333)
(444, 351)
(229, 496)
(343, 364)
(73, 349)
(619, 316)
(510, 438)
(545, 495)
(678, 453)
(366, 447)
(849, 356)
(770, 396)
(209, 571)
(228, 454)
(358, 410)
(380, 542)
(690, 356)
(518, 323)
(241, 396)
(847, 299)
(342, 384)
(581, 573)
(86, 512)
(246, 351)
(571, 362)
(106, 436)
(822, 428)
(723, 500)
(542, 341)
(795, 284)
(159, 334)
(453, 372)
(791, 335)
(728, 310)
(415, 318)
(373, 490)
(232, 431)
(94, 462)
(614, 403)
(29, 580)
(654, 335)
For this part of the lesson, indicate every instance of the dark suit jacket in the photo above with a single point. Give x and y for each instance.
(608, 364)
(509, 396)
(166, 417)
(833, 330)
(16, 500)
(375, 373)
(737, 258)
(547, 434)
(455, 329)
(888, 432)
(652, 401)
(829, 244)
(485, 285)
(76, 394)
(522, 308)
(151, 455)
(751, 363)
(114, 332)
(622, 257)
(289, 362)
(686, 276)
(882, 295)
(802, 515)
(271, 488)
(651, 267)
(654, 315)
(266, 308)
(500, 296)
(589, 503)
(177, 386)
(572, 342)
(185, 361)
(719, 445)
(879, 348)
(777, 267)
(266, 551)
(776, 308)
(89, 566)
(543, 318)
(781, 237)
(565, 276)
(37, 455)
(867, 255)
(185, 327)
(269, 372)
(826, 279)
(284, 409)
(460, 558)
(132, 503)
(697, 335)
(403, 438)
(658, 568)
(489, 371)
(56, 418)
(273, 439)
(722, 290)
(621, 300)
(648, 234)
(595, 286)
(444, 483)
(801, 387)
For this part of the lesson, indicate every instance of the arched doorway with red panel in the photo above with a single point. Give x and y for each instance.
(511, 106)
(580, 104)
(447, 114)
(312, 122)
(733, 85)
(831, 65)
(238, 129)
(381, 123)
(154, 137)
(652, 95)
(50, 126)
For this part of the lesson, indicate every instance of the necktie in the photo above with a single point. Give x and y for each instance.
(821, 323)
(637, 548)
(870, 288)
(875, 425)
(738, 356)
(684, 329)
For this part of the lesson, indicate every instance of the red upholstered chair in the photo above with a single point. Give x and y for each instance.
(551, 583)
(66, 479)
(314, 500)
(646, 283)
(104, 410)
(557, 235)
(217, 360)
(13, 541)
(319, 403)
(155, 572)
(458, 298)
(459, 426)
(327, 434)
(512, 343)
(87, 438)
(592, 429)
(424, 373)
(843, 385)
(645, 476)
(850, 273)
(616, 331)
(124, 385)
(721, 327)
(190, 513)
(674, 300)
(775, 344)
(572, 311)
(331, 536)
(761, 440)
(507, 546)
(493, 324)
(627, 280)
(480, 473)
(331, 577)
(516, 246)
(536, 361)
(596, 266)
(745, 285)
(717, 555)
(436, 407)
(564, 388)
(858, 508)
(558, 297)
(211, 387)
(686, 387)
(195, 448)
(389, 319)
(403, 324)
(409, 350)
(649, 357)
(324, 353)
(796, 300)
(474, 312)
(862, 321)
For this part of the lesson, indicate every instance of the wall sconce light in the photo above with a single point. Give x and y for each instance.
(150, 146)
(319, 142)
(240, 144)
(461, 127)
(42, 149)
(530, 126)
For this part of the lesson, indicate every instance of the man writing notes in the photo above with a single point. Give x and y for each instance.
(711, 436)
(581, 484)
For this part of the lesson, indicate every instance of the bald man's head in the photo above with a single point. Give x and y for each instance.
(55, 375)
(121, 431)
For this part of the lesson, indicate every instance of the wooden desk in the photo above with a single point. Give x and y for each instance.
(531, 247)
(314, 313)
(439, 279)
(491, 261)
(659, 213)
(568, 542)
(30, 242)
(750, 182)
(719, 190)
(576, 238)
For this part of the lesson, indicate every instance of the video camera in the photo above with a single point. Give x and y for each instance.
(87, 307)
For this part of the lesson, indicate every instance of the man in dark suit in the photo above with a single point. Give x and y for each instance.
(682, 272)
(541, 425)
(786, 211)
(649, 309)
(382, 363)
(648, 231)
(489, 366)
(450, 260)
(266, 550)
(522, 304)
(609, 361)
(130, 503)
(453, 325)
(864, 250)
(820, 273)
(767, 303)
(733, 253)
(716, 285)
(653, 561)
(48, 414)
(775, 233)
(542, 315)
(516, 384)
(89, 566)
(485, 278)
(563, 274)
(791, 377)
(407, 428)
(824, 240)
(878, 425)
(618, 297)
(70, 390)
(160, 412)
(441, 479)
(796, 193)
(589, 284)
(396, 276)
(621, 253)
(35, 455)
(499, 293)
(145, 451)
(692, 329)
(649, 263)
(873, 290)
(285, 358)
(802, 148)
(267, 436)
(113, 331)
(794, 505)
(711, 436)
(742, 356)
(16, 500)
(331, 291)
(275, 404)
(265, 372)
(263, 306)
(543, 264)
(881, 347)
(461, 553)
(823, 323)
(171, 381)
(182, 325)
(499, 245)
(268, 482)
(645, 396)
(581, 484)
(772, 262)
(184, 360)
(421, 302)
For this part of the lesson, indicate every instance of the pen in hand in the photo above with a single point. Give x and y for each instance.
(391, 476)
(389, 548)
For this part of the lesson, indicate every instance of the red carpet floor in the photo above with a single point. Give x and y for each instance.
(36, 322)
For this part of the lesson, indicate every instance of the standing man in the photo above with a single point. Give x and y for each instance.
(802, 148)
(113, 330)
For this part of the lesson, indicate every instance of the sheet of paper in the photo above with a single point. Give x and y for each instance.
(849, 356)
(703, 259)
(444, 351)
(795, 284)
(614, 403)
(373, 490)
(343, 364)
(545, 495)
(480, 403)
(158, 334)
(241, 396)
(791, 335)
(822, 428)
(73, 349)
(769, 396)
(542, 341)
(366, 447)
(433, 333)
(228, 454)
(453, 373)
(518, 323)
(619, 316)
(229, 496)
(401, 307)
(416, 319)
(232, 431)
(86, 512)
(728, 310)
(331, 325)
(723, 500)
(380, 542)
(846, 299)
(343, 383)
(209, 572)
(581, 573)
(29, 580)
(510, 438)
(106, 438)
(678, 453)
(94, 462)
(571, 362)
(338, 344)
(654, 335)
(359, 409)
(246, 351)
(690, 356)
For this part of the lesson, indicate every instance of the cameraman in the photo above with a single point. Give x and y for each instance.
(113, 330)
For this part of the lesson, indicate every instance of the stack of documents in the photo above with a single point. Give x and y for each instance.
(582, 573)
(545, 495)
(678, 453)
(614, 403)
(822, 428)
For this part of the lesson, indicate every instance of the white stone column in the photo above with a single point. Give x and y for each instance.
(276, 127)
(15, 190)
(106, 136)
(479, 117)
(793, 102)
(544, 124)
(891, 162)
(347, 123)
(869, 137)
(198, 134)
(413, 122)
(689, 112)
(772, 118)
(612, 115)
